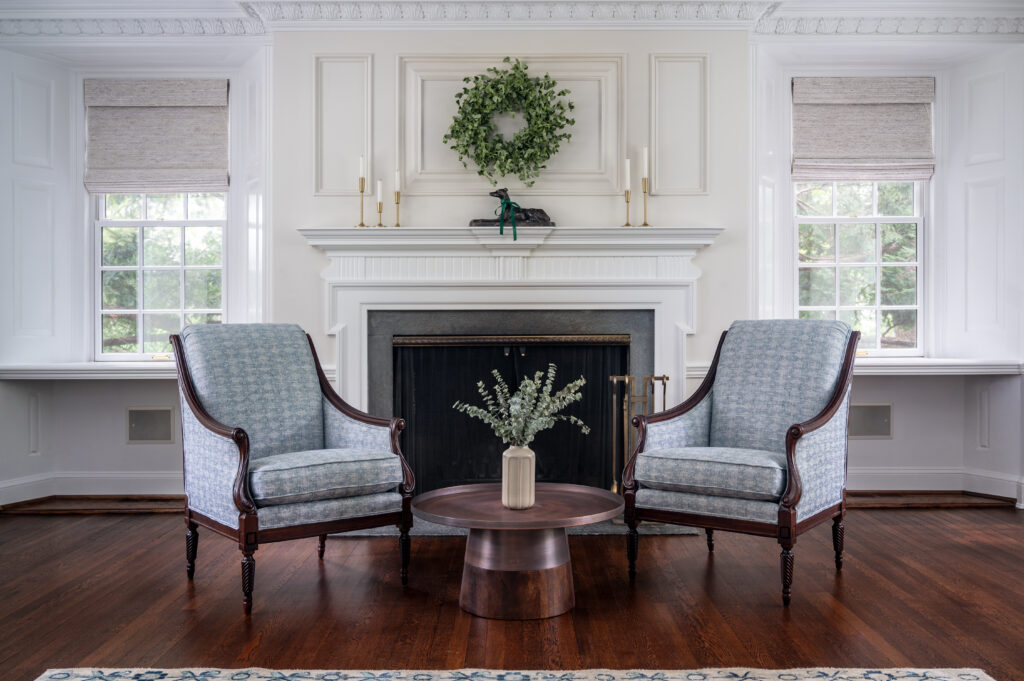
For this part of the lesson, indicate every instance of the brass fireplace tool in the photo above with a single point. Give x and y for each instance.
(627, 403)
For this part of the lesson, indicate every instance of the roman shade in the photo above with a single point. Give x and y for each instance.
(156, 135)
(863, 128)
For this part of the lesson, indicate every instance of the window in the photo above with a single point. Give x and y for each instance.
(859, 260)
(161, 266)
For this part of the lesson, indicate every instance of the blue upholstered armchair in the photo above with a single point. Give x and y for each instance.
(273, 453)
(760, 448)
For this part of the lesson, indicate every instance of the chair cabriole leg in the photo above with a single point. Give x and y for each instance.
(838, 538)
(710, 534)
(248, 578)
(191, 548)
(321, 546)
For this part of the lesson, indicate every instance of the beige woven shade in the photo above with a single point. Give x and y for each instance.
(863, 128)
(156, 135)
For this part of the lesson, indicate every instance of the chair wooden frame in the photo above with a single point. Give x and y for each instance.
(248, 533)
(787, 529)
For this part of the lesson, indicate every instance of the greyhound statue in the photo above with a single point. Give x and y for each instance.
(510, 212)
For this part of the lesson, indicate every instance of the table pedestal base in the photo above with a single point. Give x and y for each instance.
(517, 574)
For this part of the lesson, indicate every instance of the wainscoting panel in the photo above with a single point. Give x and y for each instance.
(984, 252)
(344, 123)
(590, 163)
(679, 124)
(985, 118)
(34, 285)
(33, 121)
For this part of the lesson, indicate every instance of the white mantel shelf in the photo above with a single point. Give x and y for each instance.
(487, 240)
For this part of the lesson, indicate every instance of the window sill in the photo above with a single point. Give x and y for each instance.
(98, 371)
(913, 366)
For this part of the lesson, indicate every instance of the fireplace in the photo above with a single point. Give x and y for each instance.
(424, 361)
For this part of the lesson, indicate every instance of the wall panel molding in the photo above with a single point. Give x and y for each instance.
(984, 250)
(34, 249)
(679, 109)
(590, 164)
(32, 108)
(343, 132)
(986, 119)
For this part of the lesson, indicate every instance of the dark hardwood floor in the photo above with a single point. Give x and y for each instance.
(928, 588)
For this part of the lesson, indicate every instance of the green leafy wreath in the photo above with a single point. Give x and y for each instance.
(474, 136)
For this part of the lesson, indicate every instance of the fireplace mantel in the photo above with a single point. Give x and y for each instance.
(463, 268)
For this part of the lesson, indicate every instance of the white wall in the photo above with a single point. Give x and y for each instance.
(356, 86)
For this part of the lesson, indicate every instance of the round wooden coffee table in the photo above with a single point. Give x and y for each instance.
(517, 563)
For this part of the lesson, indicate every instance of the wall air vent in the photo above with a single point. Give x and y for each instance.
(870, 421)
(150, 425)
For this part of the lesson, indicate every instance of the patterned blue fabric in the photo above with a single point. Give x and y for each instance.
(717, 471)
(730, 674)
(259, 377)
(691, 429)
(326, 510)
(821, 462)
(771, 374)
(701, 504)
(340, 431)
(211, 462)
(322, 474)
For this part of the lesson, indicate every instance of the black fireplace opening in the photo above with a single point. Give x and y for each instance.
(445, 447)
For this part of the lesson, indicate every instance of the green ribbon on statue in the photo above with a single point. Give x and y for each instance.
(500, 212)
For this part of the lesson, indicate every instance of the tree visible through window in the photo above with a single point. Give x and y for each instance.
(161, 267)
(859, 261)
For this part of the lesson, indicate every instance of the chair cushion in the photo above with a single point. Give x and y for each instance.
(261, 378)
(322, 474)
(326, 510)
(705, 505)
(714, 471)
(771, 374)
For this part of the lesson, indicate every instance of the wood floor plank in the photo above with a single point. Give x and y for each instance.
(939, 588)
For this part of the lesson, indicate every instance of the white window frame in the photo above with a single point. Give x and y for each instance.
(100, 221)
(920, 217)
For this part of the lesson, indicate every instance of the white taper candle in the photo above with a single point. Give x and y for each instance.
(362, 166)
(380, 191)
(647, 167)
(627, 175)
(398, 181)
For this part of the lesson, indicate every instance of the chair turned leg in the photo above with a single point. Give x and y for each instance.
(191, 548)
(403, 545)
(321, 546)
(710, 534)
(632, 548)
(838, 536)
(248, 578)
(787, 572)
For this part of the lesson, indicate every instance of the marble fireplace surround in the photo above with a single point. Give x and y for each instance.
(470, 268)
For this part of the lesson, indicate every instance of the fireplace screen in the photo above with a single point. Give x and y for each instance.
(447, 448)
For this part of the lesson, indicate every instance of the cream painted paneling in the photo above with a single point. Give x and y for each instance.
(344, 122)
(704, 145)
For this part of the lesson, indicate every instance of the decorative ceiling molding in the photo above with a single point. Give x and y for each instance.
(889, 26)
(765, 18)
(106, 28)
(675, 14)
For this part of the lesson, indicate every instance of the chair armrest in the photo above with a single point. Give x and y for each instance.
(209, 445)
(686, 424)
(346, 426)
(819, 437)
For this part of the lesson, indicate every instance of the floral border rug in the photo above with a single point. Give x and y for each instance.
(733, 674)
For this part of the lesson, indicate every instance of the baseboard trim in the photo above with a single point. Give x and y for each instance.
(994, 484)
(91, 483)
(884, 478)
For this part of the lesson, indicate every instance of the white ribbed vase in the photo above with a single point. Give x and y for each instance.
(517, 477)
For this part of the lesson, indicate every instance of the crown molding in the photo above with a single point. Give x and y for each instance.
(888, 26)
(308, 14)
(137, 28)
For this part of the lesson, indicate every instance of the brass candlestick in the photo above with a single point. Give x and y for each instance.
(627, 210)
(362, 189)
(643, 185)
(380, 214)
(398, 201)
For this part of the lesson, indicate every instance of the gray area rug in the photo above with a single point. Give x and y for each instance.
(425, 528)
(731, 674)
